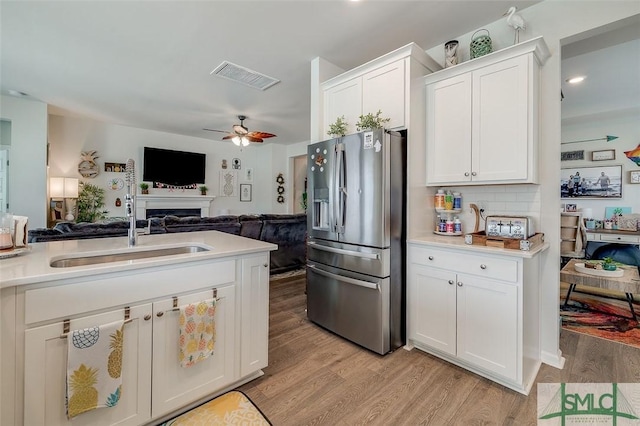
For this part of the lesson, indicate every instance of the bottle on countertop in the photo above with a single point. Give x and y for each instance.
(448, 201)
(442, 226)
(449, 226)
(439, 199)
(457, 226)
(457, 201)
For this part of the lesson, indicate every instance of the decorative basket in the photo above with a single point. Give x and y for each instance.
(480, 45)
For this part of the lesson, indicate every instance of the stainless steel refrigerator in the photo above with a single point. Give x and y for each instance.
(356, 245)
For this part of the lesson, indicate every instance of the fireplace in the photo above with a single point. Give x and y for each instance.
(173, 212)
(154, 205)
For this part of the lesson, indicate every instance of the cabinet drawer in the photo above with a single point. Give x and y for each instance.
(485, 266)
(613, 238)
(73, 297)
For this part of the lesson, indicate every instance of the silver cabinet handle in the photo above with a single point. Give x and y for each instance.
(474, 174)
(374, 256)
(159, 314)
(430, 257)
(147, 317)
(466, 173)
(483, 266)
(373, 286)
(459, 283)
(451, 282)
(265, 265)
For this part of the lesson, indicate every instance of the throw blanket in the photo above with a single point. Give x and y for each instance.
(197, 332)
(94, 367)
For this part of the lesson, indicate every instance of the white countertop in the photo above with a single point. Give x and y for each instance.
(32, 266)
(457, 242)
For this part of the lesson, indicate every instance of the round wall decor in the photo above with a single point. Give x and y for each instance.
(280, 188)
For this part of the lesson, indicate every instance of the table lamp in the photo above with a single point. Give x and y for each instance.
(66, 188)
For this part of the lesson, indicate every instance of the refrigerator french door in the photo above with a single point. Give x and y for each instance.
(355, 270)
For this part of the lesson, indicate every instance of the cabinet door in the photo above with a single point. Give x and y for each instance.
(432, 308)
(384, 89)
(501, 134)
(254, 342)
(45, 367)
(343, 99)
(487, 320)
(175, 386)
(449, 130)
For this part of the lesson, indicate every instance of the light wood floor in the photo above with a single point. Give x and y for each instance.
(317, 378)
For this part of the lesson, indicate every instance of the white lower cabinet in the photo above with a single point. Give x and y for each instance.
(469, 309)
(45, 367)
(154, 384)
(175, 386)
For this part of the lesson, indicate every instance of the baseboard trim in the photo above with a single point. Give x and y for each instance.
(554, 360)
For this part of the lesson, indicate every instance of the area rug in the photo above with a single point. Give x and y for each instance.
(231, 408)
(600, 317)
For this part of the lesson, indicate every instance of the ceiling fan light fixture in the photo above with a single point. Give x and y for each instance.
(236, 140)
(245, 142)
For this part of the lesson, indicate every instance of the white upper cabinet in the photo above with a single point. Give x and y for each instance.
(482, 118)
(343, 100)
(379, 85)
(384, 90)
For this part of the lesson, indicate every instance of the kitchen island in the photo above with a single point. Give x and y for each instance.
(41, 302)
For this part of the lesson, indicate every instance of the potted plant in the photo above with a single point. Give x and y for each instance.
(91, 203)
(608, 264)
(203, 190)
(144, 188)
(339, 128)
(371, 121)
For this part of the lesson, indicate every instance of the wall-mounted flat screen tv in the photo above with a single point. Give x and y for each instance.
(178, 168)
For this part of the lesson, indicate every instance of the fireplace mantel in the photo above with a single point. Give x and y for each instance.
(172, 201)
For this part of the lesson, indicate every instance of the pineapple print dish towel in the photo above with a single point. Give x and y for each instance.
(94, 367)
(197, 332)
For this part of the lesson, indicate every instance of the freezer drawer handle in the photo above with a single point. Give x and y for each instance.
(353, 281)
(374, 256)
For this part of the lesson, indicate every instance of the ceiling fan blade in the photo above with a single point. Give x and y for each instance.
(213, 130)
(229, 136)
(261, 135)
(252, 138)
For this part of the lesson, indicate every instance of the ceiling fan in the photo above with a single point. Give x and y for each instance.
(241, 135)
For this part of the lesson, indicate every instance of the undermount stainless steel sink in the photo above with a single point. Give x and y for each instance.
(127, 255)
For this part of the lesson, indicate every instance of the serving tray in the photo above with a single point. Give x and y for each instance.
(599, 272)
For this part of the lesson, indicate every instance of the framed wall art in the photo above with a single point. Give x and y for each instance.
(591, 182)
(605, 154)
(245, 192)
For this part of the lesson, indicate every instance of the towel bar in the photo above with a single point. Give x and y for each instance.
(66, 324)
(175, 303)
(65, 334)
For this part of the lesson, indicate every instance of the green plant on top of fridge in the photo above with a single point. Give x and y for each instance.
(371, 121)
(339, 128)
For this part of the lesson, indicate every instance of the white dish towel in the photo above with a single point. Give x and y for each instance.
(94, 367)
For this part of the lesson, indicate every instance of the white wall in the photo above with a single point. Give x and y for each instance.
(69, 136)
(28, 158)
(555, 21)
(627, 128)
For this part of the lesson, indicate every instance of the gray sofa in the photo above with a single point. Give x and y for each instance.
(288, 231)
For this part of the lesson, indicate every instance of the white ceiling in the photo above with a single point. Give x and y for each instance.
(146, 63)
(609, 58)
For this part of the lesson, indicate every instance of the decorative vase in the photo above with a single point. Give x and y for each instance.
(451, 53)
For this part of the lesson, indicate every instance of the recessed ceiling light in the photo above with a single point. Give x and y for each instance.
(576, 80)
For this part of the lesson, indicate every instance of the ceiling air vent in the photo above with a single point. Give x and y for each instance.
(244, 75)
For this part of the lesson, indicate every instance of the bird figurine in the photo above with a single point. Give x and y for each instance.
(516, 22)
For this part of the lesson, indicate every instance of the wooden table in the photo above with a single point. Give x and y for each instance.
(628, 284)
